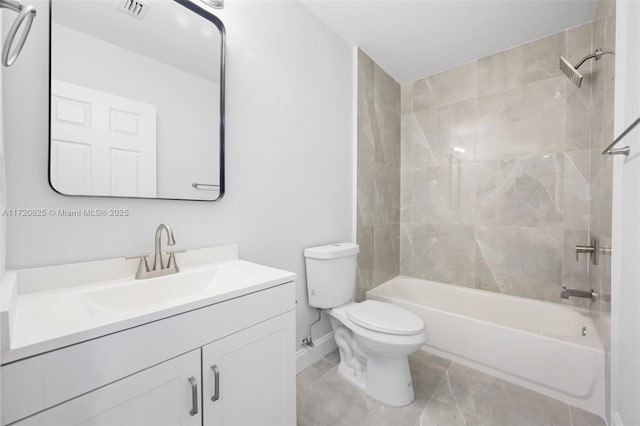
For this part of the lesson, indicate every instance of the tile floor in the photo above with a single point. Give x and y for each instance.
(447, 394)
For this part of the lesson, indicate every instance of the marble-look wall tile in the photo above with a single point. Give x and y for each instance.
(525, 192)
(576, 189)
(387, 143)
(448, 87)
(406, 98)
(406, 249)
(444, 132)
(523, 121)
(444, 253)
(444, 195)
(387, 90)
(387, 194)
(386, 253)
(364, 236)
(516, 67)
(379, 175)
(366, 204)
(524, 261)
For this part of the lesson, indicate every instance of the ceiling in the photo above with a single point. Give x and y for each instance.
(167, 33)
(414, 39)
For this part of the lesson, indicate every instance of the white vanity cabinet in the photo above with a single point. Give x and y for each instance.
(247, 376)
(160, 395)
(157, 373)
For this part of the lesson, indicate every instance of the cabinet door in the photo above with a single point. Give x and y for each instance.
(254, 371)
(160, 395)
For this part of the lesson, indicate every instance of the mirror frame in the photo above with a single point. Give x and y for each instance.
(218, 23)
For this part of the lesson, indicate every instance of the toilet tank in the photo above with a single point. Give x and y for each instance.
(331, 274)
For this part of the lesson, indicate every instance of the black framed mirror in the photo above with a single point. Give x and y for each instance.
(136, 99)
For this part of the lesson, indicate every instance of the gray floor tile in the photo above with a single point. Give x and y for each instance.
(333, 356)
(447, 394)
(584, 418)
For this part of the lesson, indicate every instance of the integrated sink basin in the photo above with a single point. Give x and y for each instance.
(133, 294)
(44, 309)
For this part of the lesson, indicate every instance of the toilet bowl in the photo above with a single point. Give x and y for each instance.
(374, 353)
(375, 338)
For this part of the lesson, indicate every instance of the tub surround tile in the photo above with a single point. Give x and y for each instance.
(444, 253)
(366, 77)
(367, 197)
(379, 175)
(367, 124)
(445, 88)
(406, 249)
(523, 260)
(522, 122)
(485, 280)
(418, 150)
(364, 235)
(406, 98)
(387, 90)
(576, 189)
(387, 146)
(527, 63)
(444, 195)
(386, 253)
(525, 192)
(386, 182)
(448, 131)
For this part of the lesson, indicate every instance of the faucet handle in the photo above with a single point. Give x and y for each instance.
(171, 263)
(143, 266)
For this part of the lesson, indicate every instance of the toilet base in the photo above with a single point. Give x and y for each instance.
(387, 380)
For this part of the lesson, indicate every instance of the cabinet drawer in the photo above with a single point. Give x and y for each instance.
(40, 382)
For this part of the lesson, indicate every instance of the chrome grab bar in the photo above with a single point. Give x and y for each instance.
(625, 150)
(25, 17)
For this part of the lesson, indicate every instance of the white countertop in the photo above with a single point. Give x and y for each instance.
(47, 318)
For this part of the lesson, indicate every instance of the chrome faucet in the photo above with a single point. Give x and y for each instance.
(157, 257)
(565, 293)
(159, 268)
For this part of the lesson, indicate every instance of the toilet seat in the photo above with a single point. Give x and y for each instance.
(385, 318)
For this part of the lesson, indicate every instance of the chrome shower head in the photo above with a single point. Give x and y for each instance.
(570, 71)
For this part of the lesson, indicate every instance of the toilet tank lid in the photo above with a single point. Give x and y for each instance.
(332, 251)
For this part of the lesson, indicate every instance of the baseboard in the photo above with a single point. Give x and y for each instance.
(615, 419)
(307, 356)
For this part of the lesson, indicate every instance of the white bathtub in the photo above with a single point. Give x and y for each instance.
(538, 345)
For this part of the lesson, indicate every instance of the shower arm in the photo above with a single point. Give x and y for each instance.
(597, 55)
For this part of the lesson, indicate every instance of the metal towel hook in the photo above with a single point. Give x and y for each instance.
(25, 18)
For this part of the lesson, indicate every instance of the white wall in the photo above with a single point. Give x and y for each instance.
(187, 106)
(288, 154)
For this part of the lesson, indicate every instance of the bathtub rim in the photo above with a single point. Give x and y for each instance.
(591, 340)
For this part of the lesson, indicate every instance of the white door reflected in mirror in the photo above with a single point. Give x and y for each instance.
(137, 101)
(101, 144)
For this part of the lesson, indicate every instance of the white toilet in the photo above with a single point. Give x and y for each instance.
(375, 338)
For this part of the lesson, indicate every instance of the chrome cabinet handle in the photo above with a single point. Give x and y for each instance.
(216, 383)
(194, 396)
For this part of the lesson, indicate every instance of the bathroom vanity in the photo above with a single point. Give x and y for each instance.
(210, 345)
